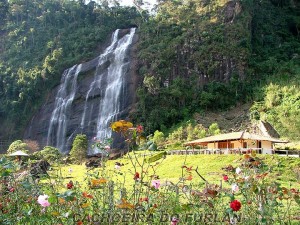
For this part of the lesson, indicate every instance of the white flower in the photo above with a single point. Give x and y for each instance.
(70, 170)
(238, 170)
(235, 188)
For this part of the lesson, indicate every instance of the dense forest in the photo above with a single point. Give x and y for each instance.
(194, 55)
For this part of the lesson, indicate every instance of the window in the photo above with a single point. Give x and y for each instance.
(225, 144)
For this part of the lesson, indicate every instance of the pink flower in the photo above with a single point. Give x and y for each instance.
(174, 221)
(107, 147)
(139, 128)
(156, 183)
(117, 167)
(235, 188)
(43, 200)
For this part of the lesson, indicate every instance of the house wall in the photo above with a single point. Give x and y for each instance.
(238, 144)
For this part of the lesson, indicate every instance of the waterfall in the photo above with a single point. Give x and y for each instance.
(103, 99)
(98, 76)
(110, 103)
(64, 98)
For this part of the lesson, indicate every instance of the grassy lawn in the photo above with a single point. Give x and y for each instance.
(170, 169)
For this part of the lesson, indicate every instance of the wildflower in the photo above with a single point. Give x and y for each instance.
(246, 156)
(188, 169)
(84, 194)
(125, 205)
(225, 178)
(235, 205)
(11, 189)
(238, 170)
(155, 184)
(121, 126)
(70, 170)
(97, 182)
(155, 205)
(84, 205)
(174, 221)
(61, 200)
(70, 185)
(144, 199)
(136, 176)
(235, 188)
(190, 177)
(107, 147)
(294, 191)
(79, 222)
(43, 200)
(139, 128)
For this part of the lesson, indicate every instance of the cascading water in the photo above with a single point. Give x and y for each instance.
(103, 97)
(97, 80)
(63, 101)
(110, 104)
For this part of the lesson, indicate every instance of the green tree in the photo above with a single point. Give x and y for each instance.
(214, 129)
(79, 148)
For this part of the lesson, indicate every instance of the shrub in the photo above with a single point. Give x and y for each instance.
(79, 148)
(158, 137)
(49, 153)
(17, 145)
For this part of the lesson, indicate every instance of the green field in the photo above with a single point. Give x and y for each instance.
(284, 169)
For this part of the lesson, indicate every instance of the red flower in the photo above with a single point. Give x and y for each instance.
(136, 176)
(235, 205)
(144, 199)
(190, 177)
(225, 177)
(70, 185)
(139, 128)
(84, 194)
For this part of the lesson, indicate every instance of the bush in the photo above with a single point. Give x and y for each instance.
(79, 149)
(49, 153)
(158, 137)
(17, 145)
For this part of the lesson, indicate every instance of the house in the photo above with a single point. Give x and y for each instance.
(237, 142)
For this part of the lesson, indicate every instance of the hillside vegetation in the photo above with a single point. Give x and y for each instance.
(212, 55)
(193, 56)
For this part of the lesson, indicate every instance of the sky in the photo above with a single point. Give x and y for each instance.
(129, 2)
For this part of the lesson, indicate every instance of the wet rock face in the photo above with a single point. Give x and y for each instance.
(87, 101)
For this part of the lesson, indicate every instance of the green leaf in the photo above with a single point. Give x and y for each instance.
(52, 199)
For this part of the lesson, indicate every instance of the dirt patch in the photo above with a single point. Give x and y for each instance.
(234, 119)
